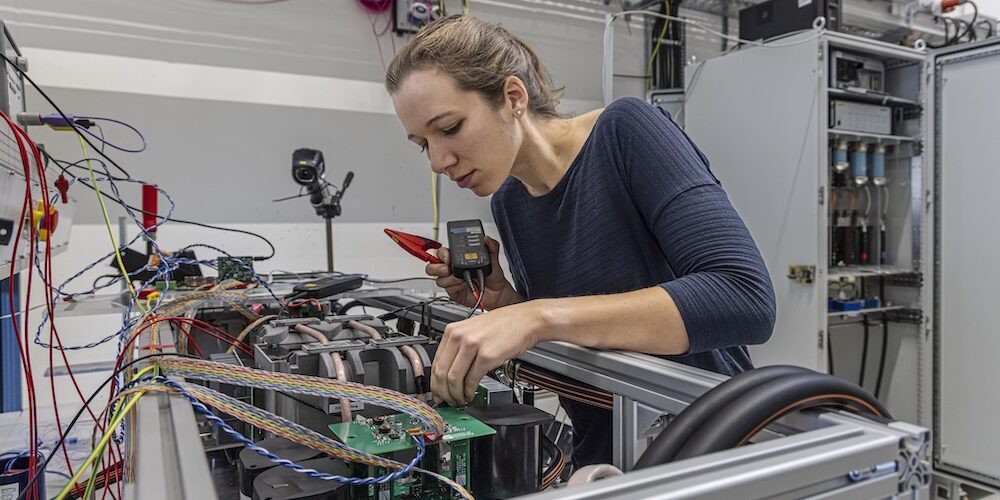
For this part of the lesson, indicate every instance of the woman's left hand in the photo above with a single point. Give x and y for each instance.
(473, 347)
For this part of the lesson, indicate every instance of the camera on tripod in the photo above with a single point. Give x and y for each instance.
(308, 166)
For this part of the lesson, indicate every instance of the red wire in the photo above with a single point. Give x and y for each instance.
(297, 303)
(153, 321)
(478, 295)
(54, 337)
(218, 333)
(145, 327)
(53, 332)
(190, 338)
(47, 279)
(23, 347)
(149, 323)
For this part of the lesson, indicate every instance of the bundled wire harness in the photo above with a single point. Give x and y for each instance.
(201, 398)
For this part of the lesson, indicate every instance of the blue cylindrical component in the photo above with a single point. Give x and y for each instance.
(859, 164)
(838, 156)
(876, 165)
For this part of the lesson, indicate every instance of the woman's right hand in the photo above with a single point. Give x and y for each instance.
(499, 291)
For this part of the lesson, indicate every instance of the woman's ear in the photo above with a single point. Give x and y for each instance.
(515, 96)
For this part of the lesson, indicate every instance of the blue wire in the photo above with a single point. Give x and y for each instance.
(167, 265)
(123, 246)
(259, 278)
(114, 188)
(218, 422)
(105, 142)
(16, 455)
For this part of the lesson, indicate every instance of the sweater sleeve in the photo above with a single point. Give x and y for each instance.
(721, 287)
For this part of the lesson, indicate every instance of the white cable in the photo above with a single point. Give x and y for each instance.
(562, 423)
(608, 59)
(885, 211)
(607, 64)
(18, 313)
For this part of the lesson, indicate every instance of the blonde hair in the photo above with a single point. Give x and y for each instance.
(480, 56)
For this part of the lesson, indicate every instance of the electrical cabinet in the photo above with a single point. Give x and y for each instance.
(864, 172)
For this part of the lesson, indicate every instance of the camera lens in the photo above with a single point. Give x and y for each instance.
(305, 175)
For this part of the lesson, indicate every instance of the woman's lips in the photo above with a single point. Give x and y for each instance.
(465, 180)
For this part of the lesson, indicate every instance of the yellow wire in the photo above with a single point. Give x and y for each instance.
(656, 50)
(435, 178)
(107, 223)
(99, 450)
(100, 445)
(465, 7)
(144, 371)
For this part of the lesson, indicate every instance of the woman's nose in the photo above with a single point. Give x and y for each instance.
(440, 159)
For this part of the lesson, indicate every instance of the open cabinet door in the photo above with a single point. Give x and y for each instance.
(966, 243)
(756, 114)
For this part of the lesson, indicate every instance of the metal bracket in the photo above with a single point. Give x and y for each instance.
(912, 316)
(914, 467)
(913, 279)
(334, 346)
(804, 274)
(400, 341)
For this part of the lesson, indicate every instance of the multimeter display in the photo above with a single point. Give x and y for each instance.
(467, 247)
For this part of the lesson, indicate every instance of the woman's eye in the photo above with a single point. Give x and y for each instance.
(423, 148)
(453, 129)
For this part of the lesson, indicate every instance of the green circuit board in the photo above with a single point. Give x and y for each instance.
(383, 435)
(388, 436)
(237, 268)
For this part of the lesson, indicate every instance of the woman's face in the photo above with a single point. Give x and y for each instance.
(465, 137)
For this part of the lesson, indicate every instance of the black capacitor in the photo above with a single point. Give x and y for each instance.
(509, 463)
(864, 241)
(281, 483)
(19, 476)
(842, 239)
(850, 238)
(250, 465)
(838, 179)
(881, 244)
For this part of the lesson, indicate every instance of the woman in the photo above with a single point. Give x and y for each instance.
(617, 234)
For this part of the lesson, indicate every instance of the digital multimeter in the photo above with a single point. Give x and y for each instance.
(467, 248)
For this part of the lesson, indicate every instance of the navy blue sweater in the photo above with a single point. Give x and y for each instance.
(639, 207)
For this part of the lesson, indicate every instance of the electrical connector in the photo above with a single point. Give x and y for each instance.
(62, 184)
(45, 224)
(54, 120)
(938, 7)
